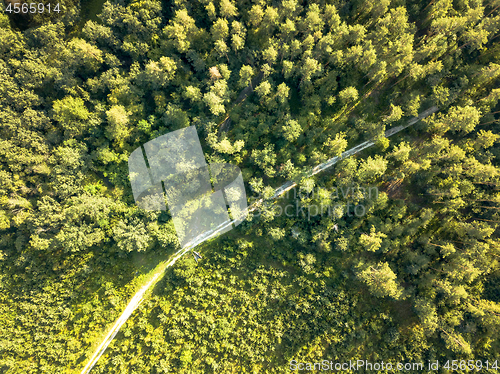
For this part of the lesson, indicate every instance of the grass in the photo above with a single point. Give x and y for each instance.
(148, 264)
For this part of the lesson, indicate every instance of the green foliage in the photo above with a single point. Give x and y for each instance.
(71, 114)
(118, 119)
(277, 88)
(381, 280)
(291, 130)
(372, 241)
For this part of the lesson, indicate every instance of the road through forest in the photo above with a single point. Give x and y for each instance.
(139, 296)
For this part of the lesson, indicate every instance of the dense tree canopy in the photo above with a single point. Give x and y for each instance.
(390, 255)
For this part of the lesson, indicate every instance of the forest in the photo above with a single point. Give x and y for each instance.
(276, 88)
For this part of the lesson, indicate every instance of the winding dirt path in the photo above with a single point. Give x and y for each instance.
(139, 296)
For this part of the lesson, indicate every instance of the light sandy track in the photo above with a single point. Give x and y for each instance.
(139, 296)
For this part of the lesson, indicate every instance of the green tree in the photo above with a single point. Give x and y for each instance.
(291, 130)
(381, 280)
(118, 121)
(372, 168)
(372, 241)
(246, 74)
(72, 114)
(283, 92)
(181, 31)
(348, 95)
(263, 89)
